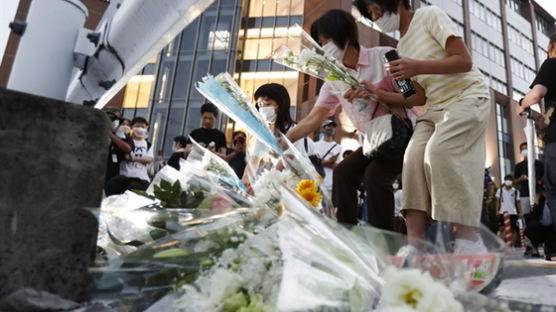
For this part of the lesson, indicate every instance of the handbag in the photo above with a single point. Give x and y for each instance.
(315, 160)
(386, 135)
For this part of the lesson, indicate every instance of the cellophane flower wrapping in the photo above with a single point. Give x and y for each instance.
(224, 92)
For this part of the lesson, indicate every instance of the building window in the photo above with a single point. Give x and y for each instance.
(487, 49)
(219, 39)
(516, 5)
(520, 39)
(137, 96)
(543, 54)
(517, 95)
(542, 25)
(505, 145)
(521, 70)
(486, 15)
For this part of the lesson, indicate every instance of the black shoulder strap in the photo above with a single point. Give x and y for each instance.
(330, 150)
(305, 144)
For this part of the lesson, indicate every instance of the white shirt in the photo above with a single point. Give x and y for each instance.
(133, 169)
(398, 203)
(321, 148)
(508, 200)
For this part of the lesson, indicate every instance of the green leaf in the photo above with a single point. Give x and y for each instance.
(165, 185)
(332, 78)
(176, 187)
(171, 253)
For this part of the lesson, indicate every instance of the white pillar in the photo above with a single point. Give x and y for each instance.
(44, 60)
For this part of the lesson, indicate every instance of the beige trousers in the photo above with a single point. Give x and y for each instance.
(444, 163)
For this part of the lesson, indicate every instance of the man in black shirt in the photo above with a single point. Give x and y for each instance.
(178, 149)
(207, 135)
(544, 85)
(236, 155)
(522, 176)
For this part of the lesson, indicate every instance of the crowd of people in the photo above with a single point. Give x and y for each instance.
(441, 168)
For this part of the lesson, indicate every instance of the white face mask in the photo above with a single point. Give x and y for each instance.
(524, 153)
(141, 132)
(115, 124)
(395, 186)
(174, 148)
(268, 113)
(125, 129)
(508, 183)
(331, 50)
(388, 22)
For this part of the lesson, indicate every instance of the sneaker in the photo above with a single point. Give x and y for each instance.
(465, 246)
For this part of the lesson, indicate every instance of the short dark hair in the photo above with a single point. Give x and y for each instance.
(278, 93)
(508, 177)
(337, 25)
(522, 144)
(386, 6)
(238, 132)
(553, 37)
(139, 120)
(181, 139)
(209, 108)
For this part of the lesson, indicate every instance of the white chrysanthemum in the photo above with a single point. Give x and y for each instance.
(411, 289)
(224, 283)
(266, 185)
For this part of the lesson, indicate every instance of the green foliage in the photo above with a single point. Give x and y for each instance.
(171, 253)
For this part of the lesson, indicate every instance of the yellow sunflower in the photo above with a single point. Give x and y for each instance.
(306, 185)
(309, 191)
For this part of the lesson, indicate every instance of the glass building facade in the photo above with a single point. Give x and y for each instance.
(164, 92)
(235, 36)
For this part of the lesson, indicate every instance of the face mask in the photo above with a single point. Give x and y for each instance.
(329, 132)
(395, 186)
(174, 148)
(508, 183)
(125, 129)
(140, 132)
(331, 50)
(115, 124)
(389, 22)
(268, 113)
(524, 153)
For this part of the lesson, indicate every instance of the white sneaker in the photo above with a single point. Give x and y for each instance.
(465, 246)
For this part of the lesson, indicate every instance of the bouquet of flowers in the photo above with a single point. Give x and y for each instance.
(224, 92)
(216, 169)
(312, 61)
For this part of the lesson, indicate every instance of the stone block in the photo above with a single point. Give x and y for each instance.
(52, 165)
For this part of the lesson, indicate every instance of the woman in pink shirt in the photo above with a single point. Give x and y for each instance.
(337, 32)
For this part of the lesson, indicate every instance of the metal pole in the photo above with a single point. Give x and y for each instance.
(44, 61)
(532, 179)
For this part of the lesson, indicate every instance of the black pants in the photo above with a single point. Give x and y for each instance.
(120, 184)
(377, 176)
(541, 234)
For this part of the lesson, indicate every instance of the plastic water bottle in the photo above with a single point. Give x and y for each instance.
(406, 86)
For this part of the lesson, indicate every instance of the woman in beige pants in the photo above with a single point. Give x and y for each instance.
(444, 162)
